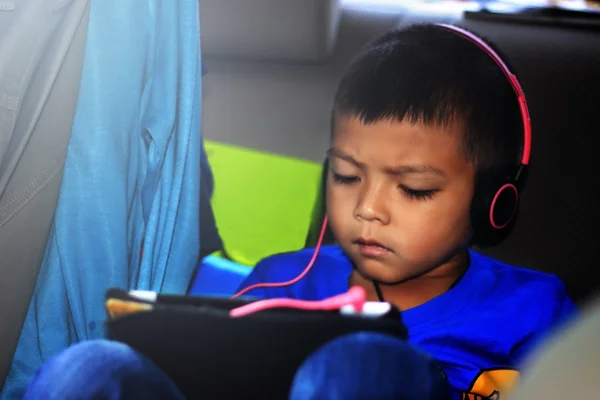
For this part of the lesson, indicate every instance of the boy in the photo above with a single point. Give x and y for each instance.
(422, 120)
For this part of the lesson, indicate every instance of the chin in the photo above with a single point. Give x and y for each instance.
(380, 272)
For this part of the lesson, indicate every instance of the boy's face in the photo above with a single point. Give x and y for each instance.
(398, 196)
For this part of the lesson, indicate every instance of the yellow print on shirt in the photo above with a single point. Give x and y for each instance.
(492, 384)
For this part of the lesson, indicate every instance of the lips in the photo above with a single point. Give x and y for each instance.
(371, 248)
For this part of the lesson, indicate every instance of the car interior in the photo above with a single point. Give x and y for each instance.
(270, 70)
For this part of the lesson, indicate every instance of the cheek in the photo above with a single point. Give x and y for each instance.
(339, 207)
(436, 226)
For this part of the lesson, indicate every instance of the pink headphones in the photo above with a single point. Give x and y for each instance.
(500, 199)
(496, 207)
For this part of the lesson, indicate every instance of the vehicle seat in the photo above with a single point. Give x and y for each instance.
(41, 47)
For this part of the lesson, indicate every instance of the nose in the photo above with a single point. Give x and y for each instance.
(371, 205)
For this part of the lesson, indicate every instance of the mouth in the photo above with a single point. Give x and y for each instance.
(371, 248)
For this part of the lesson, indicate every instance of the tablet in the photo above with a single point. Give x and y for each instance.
(211, 354)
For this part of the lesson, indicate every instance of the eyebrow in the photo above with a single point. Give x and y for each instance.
(395, 170)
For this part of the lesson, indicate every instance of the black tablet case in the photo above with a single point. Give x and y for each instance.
(210, 355)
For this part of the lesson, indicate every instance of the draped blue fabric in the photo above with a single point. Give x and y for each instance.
(131, 179)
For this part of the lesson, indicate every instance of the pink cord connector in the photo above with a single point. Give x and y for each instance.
(355, 296)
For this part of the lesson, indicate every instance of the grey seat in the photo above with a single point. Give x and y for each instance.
(42, 44)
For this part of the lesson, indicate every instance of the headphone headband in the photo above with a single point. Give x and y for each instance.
(514, 82)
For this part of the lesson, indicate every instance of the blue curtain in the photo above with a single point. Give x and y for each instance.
(131, 179)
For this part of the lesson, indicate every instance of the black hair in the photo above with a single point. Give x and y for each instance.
(425, 73)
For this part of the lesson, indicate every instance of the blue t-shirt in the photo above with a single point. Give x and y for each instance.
(478, 331)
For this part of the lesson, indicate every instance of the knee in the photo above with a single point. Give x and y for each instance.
(82, 363)
(97, 348)
(94, 354)
(369, 365)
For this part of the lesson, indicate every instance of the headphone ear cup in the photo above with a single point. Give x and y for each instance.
(493, 212)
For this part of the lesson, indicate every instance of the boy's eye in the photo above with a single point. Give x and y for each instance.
(418, 194)
(411, 193)
(344, 179)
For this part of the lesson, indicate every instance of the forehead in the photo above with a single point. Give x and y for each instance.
(388, 142)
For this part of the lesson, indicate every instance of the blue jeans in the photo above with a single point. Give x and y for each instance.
(357, 366)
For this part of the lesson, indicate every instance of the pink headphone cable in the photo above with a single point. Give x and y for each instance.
(296, 279)
(355, 296)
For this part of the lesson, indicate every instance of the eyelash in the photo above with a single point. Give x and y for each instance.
(418, 194)
(412, 194)
(344, 180)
